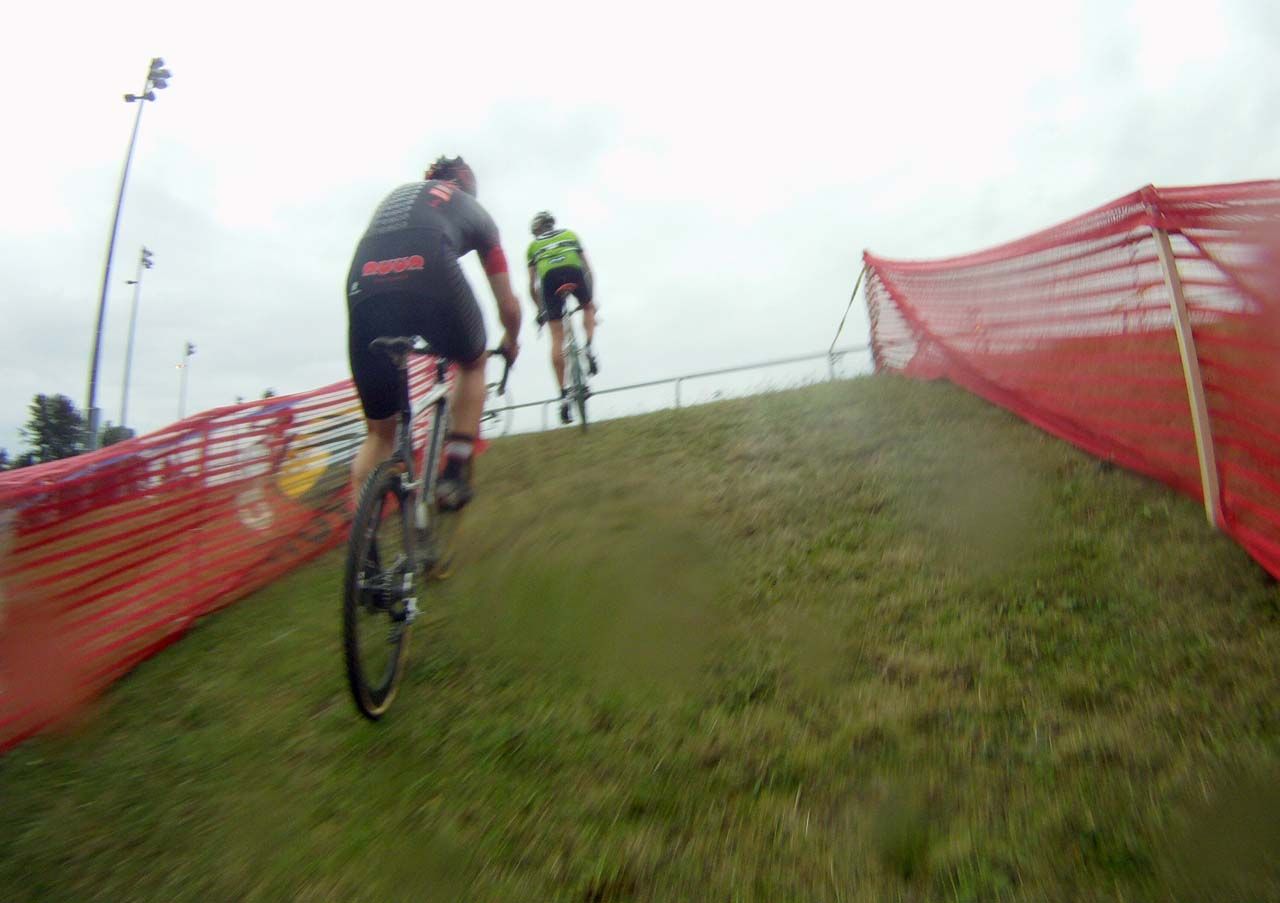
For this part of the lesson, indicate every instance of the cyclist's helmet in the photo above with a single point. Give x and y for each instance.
(542, 222)
(453, 169)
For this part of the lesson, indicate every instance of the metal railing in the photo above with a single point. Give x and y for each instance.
(832, 356)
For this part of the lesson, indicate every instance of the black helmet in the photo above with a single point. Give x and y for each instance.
(542, 221)
(453, 169)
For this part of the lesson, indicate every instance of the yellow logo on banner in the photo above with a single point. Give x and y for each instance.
(301, 470)
(316, 463)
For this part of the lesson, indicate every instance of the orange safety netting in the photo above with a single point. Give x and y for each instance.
(1073, 329)
(108, 557)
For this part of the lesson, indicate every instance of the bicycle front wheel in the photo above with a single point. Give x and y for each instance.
(495, 422)
(377, 590)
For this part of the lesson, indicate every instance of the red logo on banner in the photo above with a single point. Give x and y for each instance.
(394, 265)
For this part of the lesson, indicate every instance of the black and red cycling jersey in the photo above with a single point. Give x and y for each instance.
(411, 222)
(405, 280)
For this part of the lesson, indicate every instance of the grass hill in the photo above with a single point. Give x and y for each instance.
(864, 641)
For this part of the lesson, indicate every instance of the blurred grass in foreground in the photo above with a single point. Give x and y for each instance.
(872, 640)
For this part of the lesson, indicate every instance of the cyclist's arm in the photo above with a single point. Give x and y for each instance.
(586, 268)
(481, 233)
(495, 267)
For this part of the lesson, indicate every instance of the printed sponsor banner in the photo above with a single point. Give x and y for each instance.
(107, 557)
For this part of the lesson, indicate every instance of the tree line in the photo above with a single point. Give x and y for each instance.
(56, 429)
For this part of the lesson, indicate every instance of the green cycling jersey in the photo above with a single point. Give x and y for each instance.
(558, 248)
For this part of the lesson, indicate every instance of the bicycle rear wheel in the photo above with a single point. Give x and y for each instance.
(579, 390)
(377, 590)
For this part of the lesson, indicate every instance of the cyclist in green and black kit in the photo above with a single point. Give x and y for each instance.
(558, 268)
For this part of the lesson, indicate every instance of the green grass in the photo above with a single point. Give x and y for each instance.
(866, 641)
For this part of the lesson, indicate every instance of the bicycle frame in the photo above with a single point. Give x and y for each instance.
(572, 351)
(438, 397)
(387, 587)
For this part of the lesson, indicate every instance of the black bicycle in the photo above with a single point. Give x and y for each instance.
(400, 539)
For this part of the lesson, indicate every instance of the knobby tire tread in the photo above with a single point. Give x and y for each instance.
(579, 389)
(370, 702)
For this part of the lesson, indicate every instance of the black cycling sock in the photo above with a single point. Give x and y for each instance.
(454, 468)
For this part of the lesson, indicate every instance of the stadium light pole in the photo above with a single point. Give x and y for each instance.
(145, 262)
(158, 79)
(185, 367)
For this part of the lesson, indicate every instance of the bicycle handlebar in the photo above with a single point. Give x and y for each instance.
(506, 369)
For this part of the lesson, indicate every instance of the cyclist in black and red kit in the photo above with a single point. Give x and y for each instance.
(405, 280)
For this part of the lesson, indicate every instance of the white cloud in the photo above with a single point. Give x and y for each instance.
(725, 164)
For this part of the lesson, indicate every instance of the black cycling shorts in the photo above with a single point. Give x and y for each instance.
(430, 297)
(557, 279)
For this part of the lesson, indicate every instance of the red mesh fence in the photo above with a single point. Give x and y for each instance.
(110, 556)
(1073, 329)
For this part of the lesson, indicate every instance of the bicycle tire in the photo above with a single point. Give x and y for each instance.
(373, 589)
(495, 422)
(507, 416)
(442, 526)
(443, 529)
(579, 389)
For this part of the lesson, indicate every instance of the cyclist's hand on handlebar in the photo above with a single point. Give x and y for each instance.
(510, 348)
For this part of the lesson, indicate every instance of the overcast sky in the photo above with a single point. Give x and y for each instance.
(724, 163)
